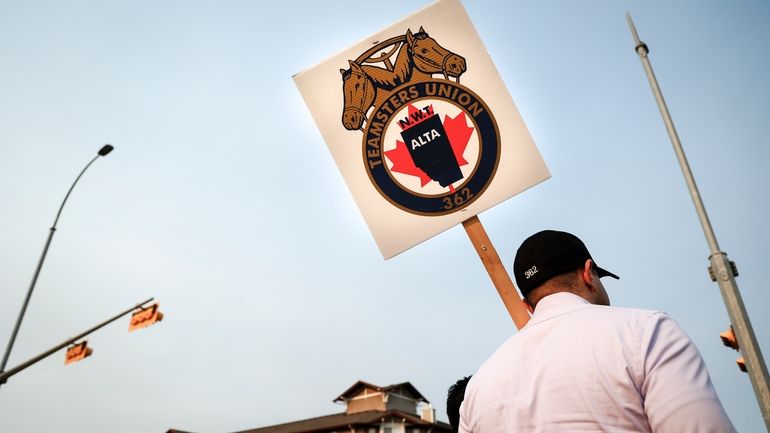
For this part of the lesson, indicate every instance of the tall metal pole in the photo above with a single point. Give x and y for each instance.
(102, 152)
(722, 270)
(4, 376)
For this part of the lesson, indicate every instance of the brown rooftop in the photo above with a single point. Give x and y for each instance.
(348, 422)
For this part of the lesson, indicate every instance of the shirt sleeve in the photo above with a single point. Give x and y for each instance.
(677, 391)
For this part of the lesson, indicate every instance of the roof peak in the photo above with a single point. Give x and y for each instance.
(352, 390)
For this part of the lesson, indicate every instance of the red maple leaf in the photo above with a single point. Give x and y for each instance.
(458, 133)
(403, 163)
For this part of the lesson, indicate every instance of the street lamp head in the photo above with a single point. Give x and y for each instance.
(105, 150)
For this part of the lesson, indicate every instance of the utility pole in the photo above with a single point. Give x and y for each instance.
(722, 270)
(5, 375)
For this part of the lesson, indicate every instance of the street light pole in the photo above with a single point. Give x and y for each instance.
(723, 271)
(102, 152)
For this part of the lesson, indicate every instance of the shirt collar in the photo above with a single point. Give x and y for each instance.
(556, 304)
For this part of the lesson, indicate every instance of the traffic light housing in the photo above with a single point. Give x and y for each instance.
(741, 364)
(145, 317)
(77, 352)
(728, 339)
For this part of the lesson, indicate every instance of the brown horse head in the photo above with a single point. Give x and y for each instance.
(359, 93)
(431, 58)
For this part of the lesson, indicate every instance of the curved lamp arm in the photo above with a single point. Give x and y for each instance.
(102, 152)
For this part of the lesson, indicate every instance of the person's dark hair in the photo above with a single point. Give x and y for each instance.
(565, 282)
(454, 398)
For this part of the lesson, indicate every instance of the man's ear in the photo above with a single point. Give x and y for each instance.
(587, 275)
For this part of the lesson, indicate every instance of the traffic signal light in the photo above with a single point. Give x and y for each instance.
(145, 317)
(77, 352)
(729, 340)
(741, 364)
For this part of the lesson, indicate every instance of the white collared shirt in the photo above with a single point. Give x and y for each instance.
(578, 367)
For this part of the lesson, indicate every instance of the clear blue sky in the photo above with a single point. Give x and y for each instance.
(222, 201)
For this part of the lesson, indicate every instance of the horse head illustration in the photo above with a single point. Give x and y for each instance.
(419, 57)
(431, 58)
(359, 94)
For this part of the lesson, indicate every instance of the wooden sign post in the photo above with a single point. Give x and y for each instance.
(500, 278)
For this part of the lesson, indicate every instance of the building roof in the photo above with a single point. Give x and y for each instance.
(353, 390)
(366, 418)
(343, 421)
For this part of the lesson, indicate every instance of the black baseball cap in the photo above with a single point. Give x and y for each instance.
(547, 254)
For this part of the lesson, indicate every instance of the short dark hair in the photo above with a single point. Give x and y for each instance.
(454, 398)
(560, 283)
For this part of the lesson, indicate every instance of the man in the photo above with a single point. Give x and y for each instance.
(580, 365)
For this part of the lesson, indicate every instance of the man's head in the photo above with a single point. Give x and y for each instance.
(454, 399)
(552, 261)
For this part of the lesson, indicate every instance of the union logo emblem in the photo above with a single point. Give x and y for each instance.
(430, 145)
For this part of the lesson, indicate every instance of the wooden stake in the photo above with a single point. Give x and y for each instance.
(496, 270)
